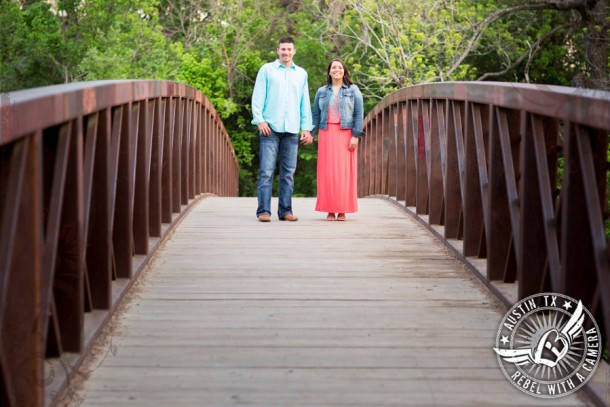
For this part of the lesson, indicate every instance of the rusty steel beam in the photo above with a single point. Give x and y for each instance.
(485, 160)
(89, 172)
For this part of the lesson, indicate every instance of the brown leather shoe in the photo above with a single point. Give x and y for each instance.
(341, 217)
(264, 217)
(290, 217)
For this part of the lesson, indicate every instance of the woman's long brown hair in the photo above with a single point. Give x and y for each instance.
(346, 78)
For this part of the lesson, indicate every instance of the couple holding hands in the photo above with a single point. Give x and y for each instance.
(281, 109)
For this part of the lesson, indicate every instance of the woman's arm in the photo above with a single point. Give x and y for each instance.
(358, 113)
(315, 113)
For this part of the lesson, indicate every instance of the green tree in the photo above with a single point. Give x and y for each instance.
(128, 44)
(535, 52)
(12, 46)
(34, 51)
(218, 46)
(393, 43)
(226, 42)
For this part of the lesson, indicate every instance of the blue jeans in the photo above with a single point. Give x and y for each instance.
(287, 145)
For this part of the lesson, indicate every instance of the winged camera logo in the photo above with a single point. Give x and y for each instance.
(548, 345)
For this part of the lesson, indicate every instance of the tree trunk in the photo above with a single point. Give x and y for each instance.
(597, 42)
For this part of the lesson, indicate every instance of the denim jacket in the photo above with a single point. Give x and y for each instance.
(350, 105)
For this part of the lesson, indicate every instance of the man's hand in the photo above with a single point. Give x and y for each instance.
(306, 138)
(264, 129)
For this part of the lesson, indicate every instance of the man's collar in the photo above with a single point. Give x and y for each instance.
(278, 64)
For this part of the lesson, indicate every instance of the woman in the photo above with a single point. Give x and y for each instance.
(337, 116)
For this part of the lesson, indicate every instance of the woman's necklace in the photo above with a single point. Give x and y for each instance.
(335, 98)
(335, 101)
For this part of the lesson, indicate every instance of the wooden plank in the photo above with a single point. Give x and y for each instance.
(300, 337)
(371, 311)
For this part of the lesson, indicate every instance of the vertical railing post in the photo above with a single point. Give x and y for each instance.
(22, 340)
(177, 155)
(437, 161)
(156, 165)
(412, 151)
(473, 205)
(123, 212)
(422, 163)
(454, 171)
(99, 240)
(482, 159)
(141, 230)
(498, 242)
(89, 172)
(401, 152)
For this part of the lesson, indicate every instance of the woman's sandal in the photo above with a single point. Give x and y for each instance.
(330, 216)
(341, 217)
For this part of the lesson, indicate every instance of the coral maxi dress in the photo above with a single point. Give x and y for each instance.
(337, 166)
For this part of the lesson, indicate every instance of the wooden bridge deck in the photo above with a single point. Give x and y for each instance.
(373, 311)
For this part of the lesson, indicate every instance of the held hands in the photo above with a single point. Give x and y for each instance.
(306, 138)
(265, 130)
(353, 143)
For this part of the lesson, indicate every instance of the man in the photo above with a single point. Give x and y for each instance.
(280, 106)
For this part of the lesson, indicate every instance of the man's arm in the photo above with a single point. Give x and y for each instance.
(258, 96)
(306, 125)
(305, 107)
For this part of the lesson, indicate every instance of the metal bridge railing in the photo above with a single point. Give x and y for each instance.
(93, 175)
(518, 173)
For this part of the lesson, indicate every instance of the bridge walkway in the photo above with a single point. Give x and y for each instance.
(374, 311)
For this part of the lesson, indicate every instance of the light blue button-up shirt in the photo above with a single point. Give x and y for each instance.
(281, 98)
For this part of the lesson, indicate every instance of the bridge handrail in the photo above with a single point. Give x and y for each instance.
(93, 176)
(514, 173)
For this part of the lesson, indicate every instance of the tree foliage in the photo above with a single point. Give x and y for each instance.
(34, 50)
(393, 43)
(217, 46)
(397, 43)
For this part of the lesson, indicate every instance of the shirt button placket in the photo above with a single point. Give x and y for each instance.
(286, 99)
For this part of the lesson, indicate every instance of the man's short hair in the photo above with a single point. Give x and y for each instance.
(286, 40)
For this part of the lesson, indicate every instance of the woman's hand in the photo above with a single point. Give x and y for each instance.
(353, 143)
